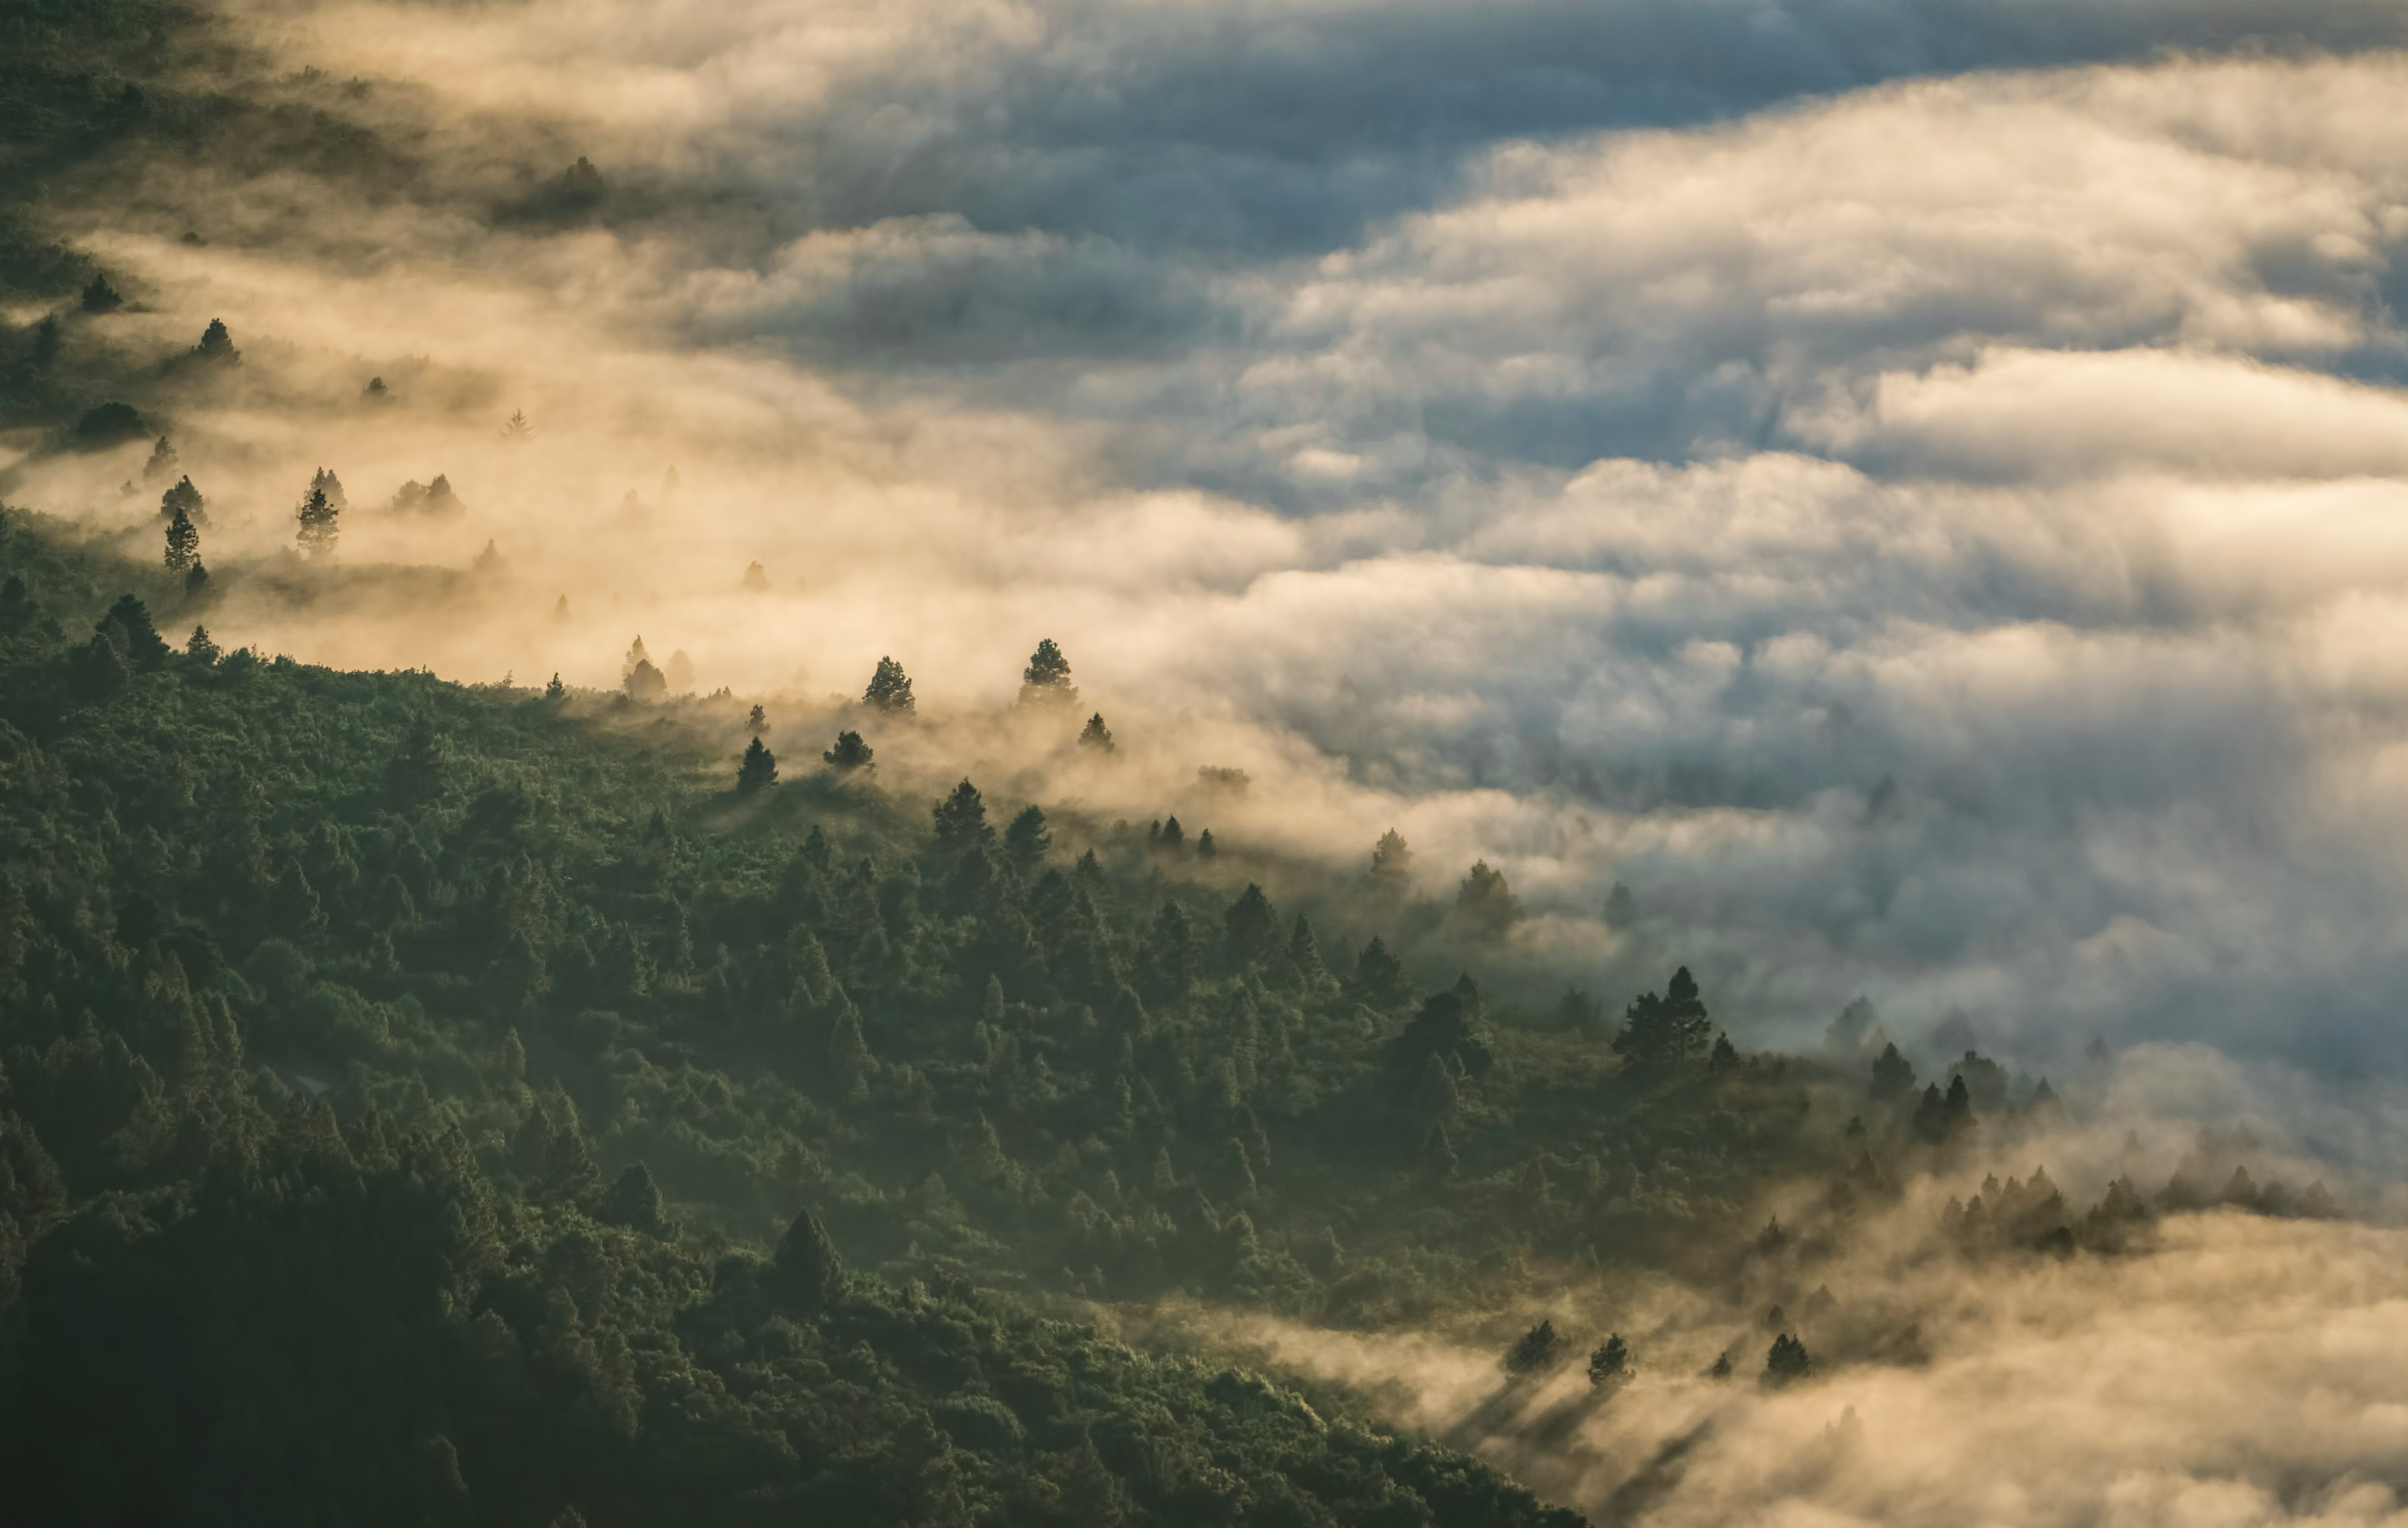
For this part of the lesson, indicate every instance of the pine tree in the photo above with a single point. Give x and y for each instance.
(890, 689)
(1253, 929)
(185, 499)
(145, 649)
(1392, 864)
(1538, 1350)
(331, 486)
(758, 772)
(1893, 1077)
(961, 819)
(318, 529)
(1485, 904)
(1096, 735)
(1028, 839)
(634, 1201)
(162, 461)
(1724, 1058)
(1663, 1034)
(217, 344)
(806, 1274)
(199, 648)
(1207, 847)
(1610, 1361)
(1047, 678)
(101, 297)
(848, 753)
(1787, 1361)
(555, 690)
(183, 543)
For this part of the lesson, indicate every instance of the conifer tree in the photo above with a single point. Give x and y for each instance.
(1485, 904)
(961, 819)
(199, 648)
(1787, 1361)
(99, 296)
(848, 753)
(1538, 1350)
(185, 499)
(183, 543)
(758, 772)
(1610, 1361)
(807, 1273)
(1047, 678)
(1028, 839)
(1662, 1034)
(1096, 735)
(217, 344)
(319, 527)
(890, 689)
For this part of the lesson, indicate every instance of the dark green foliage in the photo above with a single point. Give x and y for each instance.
(183, 551)
(890, 689)
(217, 344)
(1028, 839)
(1096, 735)
(961, 819)
(1486, 904)
(848, 753)
(1893, 1077)
(1535, 1351)
(199, 648)
(183, 499)
(1787, 1361)
(807, 1273)
(320, 521)
(127, 627)
(1661, 1035)
(758, 771)
(108, 425)
(1610, 1361)
(1047, 678)
(99, 296)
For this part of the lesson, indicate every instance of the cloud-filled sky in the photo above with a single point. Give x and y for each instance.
(1917, 491)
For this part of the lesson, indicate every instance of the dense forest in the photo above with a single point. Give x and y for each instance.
(429, 1102)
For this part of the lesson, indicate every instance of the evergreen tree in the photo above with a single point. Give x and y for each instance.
(162, 461)
(848, 753)
(758, 772)
(1207, 847)
(416, 774)
(183, 544)
(199, 648)
(185, 499)
(961, 819)
(217, 344)
(1787, 1361)
(555, 690)
(145, 649)
(1661, 1035)
(318, 529)
(1536, 1351)
(1047, 678)
(1253, 929)
(890, 689)
(1724, 1058)
(634, 1201)
(99, 296)
(1096, 735)
(645, 682)
(1172, 838)
(1392, 864)
(806, 1274)
(1893, 1077)
(1610, 1361)
(1028, 839)
(326, 482)
(1485, 904)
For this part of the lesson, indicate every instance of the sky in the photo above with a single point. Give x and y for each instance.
(1912, 491)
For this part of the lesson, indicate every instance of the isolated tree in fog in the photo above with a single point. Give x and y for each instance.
(1047, 678)
(1610, 1361)
(890, 689)
(1788, 1360)
(162, 462)
(646, 683)
(1392, 864)
(217, 344)
(1485, 905)
(101, 297)
(1096, 735)
(331, 486)
(1537, 1350)
(758, 772)
(756, 579)
(183, 543)
(1663, 1034)
(319, 529)
(848, 753)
